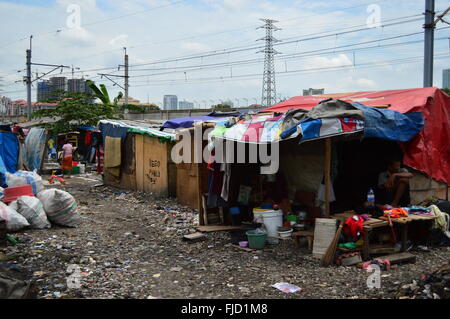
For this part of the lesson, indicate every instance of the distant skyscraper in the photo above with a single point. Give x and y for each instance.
(47, 88)
(58, 83)
(170, 102)
(446, 79)
(185, 105)
(78, 85)
(311, 91)
(43, 90)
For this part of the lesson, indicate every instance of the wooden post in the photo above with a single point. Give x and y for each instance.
(327, 169)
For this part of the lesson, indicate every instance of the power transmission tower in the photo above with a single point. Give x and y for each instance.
(269, 91)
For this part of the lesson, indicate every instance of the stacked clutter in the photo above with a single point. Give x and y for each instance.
(25, 203)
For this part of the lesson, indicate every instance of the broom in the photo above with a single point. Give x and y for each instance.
(327, 259)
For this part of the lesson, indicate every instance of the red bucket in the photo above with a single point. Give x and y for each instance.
(12, 193)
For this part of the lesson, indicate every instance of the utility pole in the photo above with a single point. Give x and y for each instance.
(269, 91)
(126, 76)
(429, 43)
(28, 80)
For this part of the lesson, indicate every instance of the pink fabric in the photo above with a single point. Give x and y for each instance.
(68, 149)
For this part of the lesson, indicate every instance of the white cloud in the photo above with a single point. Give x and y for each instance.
(195, 47)
(119, 41)
(324, 62)
(78, 37)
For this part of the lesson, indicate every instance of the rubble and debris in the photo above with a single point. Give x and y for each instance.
(435, 285)
(104, 263)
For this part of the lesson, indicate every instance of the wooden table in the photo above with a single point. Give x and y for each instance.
(369, 225)
(403, 223)
(382, 221)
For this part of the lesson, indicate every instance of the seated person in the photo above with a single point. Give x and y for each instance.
(394, 185)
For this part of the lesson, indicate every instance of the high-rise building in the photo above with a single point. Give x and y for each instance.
(185, 105)
(312, 91)
(446, 79)
(58, 83)
(43, 90)
(78, 85)
(170, 102)
(47, 88)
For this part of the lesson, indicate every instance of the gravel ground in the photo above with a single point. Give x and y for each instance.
(129, 246)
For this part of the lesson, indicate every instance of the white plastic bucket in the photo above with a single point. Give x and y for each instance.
(258, 214)
(272, 220)
(82, 168)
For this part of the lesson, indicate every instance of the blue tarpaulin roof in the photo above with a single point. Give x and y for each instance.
(389, 124)
(186, 122)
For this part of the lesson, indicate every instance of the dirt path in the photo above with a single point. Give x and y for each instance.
(129, 246)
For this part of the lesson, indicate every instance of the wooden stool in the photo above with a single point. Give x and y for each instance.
(309, 236)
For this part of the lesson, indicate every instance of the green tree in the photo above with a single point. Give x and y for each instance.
(446, 90)
(221, 106)
(102, 93)
(143, 108)
(75, 109)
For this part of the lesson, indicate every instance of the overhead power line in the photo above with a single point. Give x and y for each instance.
(292, 72)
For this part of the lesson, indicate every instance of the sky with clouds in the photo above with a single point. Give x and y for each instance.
(206, 50)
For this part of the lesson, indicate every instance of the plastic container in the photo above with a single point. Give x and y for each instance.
(291, 218)
(12, 193)
(272, 220)
(284, 233)
(258, 214)
(235, 216)
(82, 168)
(256, 240)
(76, 170)
(243, 243)
(371, 197)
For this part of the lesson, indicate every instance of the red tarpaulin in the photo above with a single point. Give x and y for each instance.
(428, 151)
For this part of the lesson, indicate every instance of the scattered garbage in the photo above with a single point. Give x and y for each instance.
(60, 207)
(384, 264)
(286, 287)
(21, 178)
(32, 209)
(15, 283)
(11, 239)
(431, 286)
(14, 221)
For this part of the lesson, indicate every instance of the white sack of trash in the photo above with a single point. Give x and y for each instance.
(60, 207)
(21, 178)
(32, 209)
(14, 221)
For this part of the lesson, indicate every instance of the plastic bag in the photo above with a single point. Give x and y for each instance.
(60, 207)
(21, 178)
(14, 221)
(32, 209)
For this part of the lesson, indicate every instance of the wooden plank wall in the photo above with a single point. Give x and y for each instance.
(156, 179)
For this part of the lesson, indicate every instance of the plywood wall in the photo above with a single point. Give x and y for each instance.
(145, 166)
(423, 187)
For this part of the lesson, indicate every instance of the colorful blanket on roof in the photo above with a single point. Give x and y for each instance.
(269, 129)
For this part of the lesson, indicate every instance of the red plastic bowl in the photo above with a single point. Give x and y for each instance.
(12, 193)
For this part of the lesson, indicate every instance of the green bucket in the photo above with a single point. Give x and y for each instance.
(256, 240)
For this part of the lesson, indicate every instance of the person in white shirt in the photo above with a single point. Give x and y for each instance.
(394, 183)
